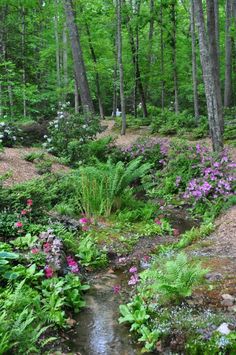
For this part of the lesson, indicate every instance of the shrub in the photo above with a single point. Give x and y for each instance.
(10, 134)
(44, 167)
(102, 184)
(68, 133)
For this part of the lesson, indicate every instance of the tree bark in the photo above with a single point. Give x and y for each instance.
(208, 66)
(77, 53)
(228, 55)
(150, 45)
(120, 65)
(65, 57)
(194, 64)
(213, 37)
(97, 78)
(57, 45)
(162, 60)
(76, 93)
(174, 59)
(23, 62)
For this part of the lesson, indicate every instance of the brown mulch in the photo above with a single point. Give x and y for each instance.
(12, 161)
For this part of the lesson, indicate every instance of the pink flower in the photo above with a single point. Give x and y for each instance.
(29, 202)
(73, 265)
(133, 280)
(157, 221)
(35, 251)
(133, 269)
(122, 260)
(84, 220)
(176, 232)
(146, 257)
(117, 289)
(48, 272)
(47, 247)
(19, 224)
(23, 212)
(85, 228)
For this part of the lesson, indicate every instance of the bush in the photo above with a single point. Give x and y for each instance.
(168, 122)
(68, 134)
(101, 185)
(10, 134)
(33, 132)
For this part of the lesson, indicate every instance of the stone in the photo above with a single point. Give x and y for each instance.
(213, 276)
(223, 329)
(228, 300)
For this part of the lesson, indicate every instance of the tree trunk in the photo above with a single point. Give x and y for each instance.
(228, 56)
(115, 78)
(213, 34)
(217, 29)
(57, 45)
(162, 60)
(208, 66)
(76, 92)
(77, 53)
(173, 45)
(97, 78)
(65, 57)
(150, 45)
(120, 65)
(194, 64)
(23, 63)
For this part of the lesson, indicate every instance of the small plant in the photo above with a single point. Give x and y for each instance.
(44, 167)
(89, 254)
(32, 156)
(174, 278)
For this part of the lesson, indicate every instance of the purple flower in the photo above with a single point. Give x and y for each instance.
(133, 269)
(133, 280)
(116, 289)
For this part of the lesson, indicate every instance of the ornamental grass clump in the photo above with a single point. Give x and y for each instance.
(101, 186)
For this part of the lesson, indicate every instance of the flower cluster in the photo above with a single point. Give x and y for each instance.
(73, 265)
(134, 279)
(217, 176)
(24, 215)
(154, 150)
(9, 134)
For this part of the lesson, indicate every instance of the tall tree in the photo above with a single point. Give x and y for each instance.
(79, 66)
(194, 63)
(228, 55)
(120, 64)
(208, 56)
(174, 54)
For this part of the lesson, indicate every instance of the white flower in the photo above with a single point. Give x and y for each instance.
(45, 136)
(14, 138)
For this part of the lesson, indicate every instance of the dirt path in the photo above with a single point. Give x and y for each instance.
(12, 162)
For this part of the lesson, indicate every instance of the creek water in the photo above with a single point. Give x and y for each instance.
(97, 330)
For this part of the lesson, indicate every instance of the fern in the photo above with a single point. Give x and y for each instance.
(102, 184)
(175, 278)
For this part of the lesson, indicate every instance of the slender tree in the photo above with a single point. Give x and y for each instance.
(79, 67)
(228, 55)
(208, 52)
(194, 63)
(120, 65)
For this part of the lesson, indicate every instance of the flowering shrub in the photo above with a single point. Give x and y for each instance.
(10, 134)
(216, 179)
(153, 151)
(68, 133)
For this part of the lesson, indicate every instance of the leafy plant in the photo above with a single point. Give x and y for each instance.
(102, 185)
(89, 253)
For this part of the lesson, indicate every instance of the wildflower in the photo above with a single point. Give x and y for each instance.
(176, 232)
(47, 247)
(23, 212)
(73, 265)
(157, 221)
(29, 202)
(122, 260)
(35, 251)
(133, 269)
(84, 220)
(117, 289)
(19, 224)
(48, 272)
(133, 280)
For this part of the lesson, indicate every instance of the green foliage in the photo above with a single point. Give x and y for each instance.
(174, 278)
(90, 254)
(44, 167)
(102, 185)
(100, 149)
(167, 122)
(32, 156)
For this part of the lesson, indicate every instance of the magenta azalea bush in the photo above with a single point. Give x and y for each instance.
(217, 176)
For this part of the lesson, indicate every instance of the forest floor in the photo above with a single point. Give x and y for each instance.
(12, 161)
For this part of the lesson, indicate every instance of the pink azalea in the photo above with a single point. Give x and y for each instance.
(133, 269)
(48, 272)
(23, 212)
(19, 224)
(133, 280)
(73, 265)
(35, 251)
(29, 202)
